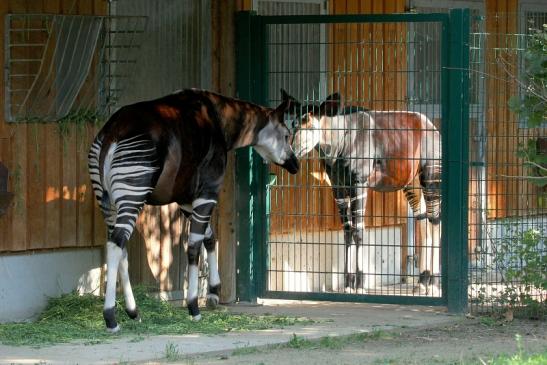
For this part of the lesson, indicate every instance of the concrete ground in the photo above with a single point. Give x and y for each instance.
(331, 319)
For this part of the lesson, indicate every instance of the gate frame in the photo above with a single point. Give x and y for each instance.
(252, 175)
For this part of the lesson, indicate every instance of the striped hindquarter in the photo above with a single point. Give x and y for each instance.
(121, 182)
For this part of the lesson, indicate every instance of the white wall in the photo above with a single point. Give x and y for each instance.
(314, 261)
(27, 280)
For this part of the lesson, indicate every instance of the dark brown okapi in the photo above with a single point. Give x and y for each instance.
(385, 151)
(174, 149)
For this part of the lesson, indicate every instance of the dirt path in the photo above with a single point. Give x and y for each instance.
(466, 341)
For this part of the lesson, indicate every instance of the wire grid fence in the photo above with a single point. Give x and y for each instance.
(373, 66)
(56, 65)
(507, 213)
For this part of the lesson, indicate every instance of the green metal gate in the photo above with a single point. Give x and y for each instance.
(414, 62)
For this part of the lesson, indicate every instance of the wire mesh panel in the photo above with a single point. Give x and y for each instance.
(508, 214)
(49, 59)
(367, 148)
(175, 52)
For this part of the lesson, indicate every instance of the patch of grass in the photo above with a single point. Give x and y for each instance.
(489, 321)
(520, 358)
(374, 335)
(297, 342)
(172, 352)
(245, 350)
(79, 317)
(336, 343)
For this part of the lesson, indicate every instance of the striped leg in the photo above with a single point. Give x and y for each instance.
(116, 261)
(130, 170)
(199, 222)
(213, 296)
(358, 205)
(343, 206)
(342, 181)
(130, 305)
(415, 200)
(430, 179)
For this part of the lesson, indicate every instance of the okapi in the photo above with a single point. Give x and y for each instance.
(381, 150)
(174, 149)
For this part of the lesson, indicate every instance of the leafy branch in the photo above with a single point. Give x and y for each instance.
(531, 105)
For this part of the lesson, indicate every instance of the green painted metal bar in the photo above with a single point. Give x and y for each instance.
(354, 18)
(245, 290)
(260, 170)
(358, 298)
(251, 171)
(456, 160)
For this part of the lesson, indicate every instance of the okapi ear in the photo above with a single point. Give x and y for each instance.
(331, 105)
(289, 104)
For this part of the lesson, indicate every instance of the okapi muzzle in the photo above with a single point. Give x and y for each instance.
(291, 164)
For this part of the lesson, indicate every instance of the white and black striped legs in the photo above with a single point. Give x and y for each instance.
(201, 233)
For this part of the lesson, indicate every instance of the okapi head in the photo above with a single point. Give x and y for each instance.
(309, 132)
(273, 140)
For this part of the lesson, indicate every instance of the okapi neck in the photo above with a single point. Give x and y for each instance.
(241, 122)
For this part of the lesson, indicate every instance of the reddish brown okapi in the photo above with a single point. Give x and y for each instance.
(385, 151)
(174, 149)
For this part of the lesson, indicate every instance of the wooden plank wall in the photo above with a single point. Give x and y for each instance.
(53, 205)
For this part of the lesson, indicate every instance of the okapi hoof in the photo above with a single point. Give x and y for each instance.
(427, 284)
(359, 280)
(113, 330)
(213, 298)
(133, 314)
(349, 281)
(430, 290)
(212, 301)
(193, 309)
(109, 316)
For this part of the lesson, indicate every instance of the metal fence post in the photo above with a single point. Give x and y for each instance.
(455, 130)
(250, 170)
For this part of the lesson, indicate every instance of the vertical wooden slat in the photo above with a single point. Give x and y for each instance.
(5, 155)
(36, 166)
(512, 118)
(36, 170)
(6, 219)
(98, 230)
(224, 82)
(53, 169)
(19, 187)
(69, 161)
(84, 193)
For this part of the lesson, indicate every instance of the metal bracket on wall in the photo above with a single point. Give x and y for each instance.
(5, 196)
